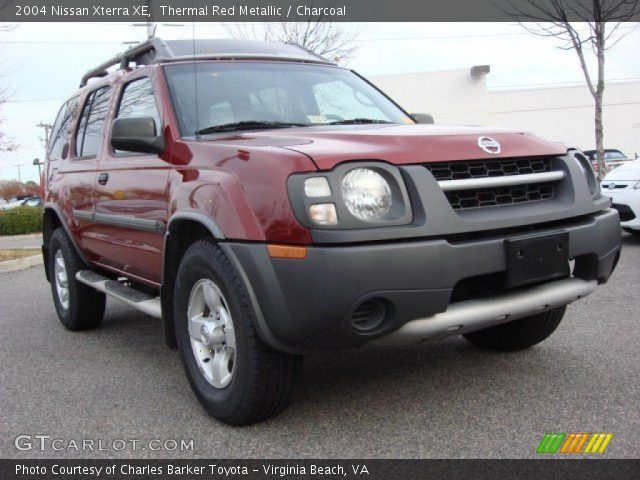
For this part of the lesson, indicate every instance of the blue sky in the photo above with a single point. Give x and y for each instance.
(42, 63)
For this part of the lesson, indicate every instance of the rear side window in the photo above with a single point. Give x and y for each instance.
(62, 129)
(91, 128)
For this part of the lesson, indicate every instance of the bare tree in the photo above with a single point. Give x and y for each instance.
(328, 39)
(10, 188)
(589, 28)
(6, 143)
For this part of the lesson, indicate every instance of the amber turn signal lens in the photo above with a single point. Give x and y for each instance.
(286, 251)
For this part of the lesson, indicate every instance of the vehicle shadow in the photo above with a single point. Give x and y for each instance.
(630, 238)
(365, 386)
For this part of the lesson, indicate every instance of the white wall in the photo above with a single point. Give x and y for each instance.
(559, 113)
(566, 113)
(451, 97)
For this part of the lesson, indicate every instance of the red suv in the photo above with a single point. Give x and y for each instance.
(264, 203)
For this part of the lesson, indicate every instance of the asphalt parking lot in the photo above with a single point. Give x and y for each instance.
(429, 401)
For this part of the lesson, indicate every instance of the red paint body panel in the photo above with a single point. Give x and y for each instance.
(242, 187)
(405, 144)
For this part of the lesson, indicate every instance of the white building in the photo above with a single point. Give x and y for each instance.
(562, 113)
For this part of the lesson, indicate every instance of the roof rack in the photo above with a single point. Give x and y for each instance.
(156, 50)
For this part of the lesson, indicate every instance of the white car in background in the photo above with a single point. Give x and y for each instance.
(23, 202)
(623, 186)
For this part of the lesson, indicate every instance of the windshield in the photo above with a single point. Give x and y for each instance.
(274, 93)
(614, 155)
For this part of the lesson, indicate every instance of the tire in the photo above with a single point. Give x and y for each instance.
(257, 381)
(518, 334)
(83, 307)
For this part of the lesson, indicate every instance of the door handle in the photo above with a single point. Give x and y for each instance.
(103, 178)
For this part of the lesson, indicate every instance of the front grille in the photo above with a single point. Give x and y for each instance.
(489, 168)
(626, 214)
(494, 196)
(616, 186)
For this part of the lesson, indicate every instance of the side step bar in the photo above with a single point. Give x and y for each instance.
(143, 302)
(472, 315)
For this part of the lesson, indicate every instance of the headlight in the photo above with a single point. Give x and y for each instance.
(366, 194)
(636, 186)
(351, 196)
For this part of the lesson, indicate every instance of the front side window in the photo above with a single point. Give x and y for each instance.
(91, 128)
(138, 100)
(61, 129)
(210, 94)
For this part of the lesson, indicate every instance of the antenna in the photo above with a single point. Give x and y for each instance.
(195, 74)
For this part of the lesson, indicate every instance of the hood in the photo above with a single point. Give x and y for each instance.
(627, 171)
(399, 144)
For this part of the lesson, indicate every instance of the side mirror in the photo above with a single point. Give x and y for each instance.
(422, 117)
(136, 134)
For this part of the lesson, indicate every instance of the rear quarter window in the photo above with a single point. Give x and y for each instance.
(61, 130)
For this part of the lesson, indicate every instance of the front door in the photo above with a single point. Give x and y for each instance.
(131, 195)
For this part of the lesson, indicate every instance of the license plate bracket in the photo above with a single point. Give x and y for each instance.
(537, 258)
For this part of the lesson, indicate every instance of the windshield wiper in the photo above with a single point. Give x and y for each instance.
(247, 125)
(356, 121)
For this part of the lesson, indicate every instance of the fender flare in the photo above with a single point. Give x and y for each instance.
(259, 321)
(63, 221)
(166, 288)
(197, 217)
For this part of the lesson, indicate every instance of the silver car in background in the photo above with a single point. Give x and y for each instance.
(612, 158)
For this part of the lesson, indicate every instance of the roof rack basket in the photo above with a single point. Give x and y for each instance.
(142, 54)
(156, 50)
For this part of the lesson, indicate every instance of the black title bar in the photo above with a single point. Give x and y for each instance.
(592, 469)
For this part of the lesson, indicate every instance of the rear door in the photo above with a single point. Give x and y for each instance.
(80, 166)
(131, 195)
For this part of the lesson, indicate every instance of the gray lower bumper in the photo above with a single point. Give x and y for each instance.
(464, 317)
(308, 304)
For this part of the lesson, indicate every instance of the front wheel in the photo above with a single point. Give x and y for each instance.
(235, 376)
(518, 334)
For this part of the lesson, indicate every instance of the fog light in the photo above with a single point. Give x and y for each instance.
(323, 213)
(317, 187)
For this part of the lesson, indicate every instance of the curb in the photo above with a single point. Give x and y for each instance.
(20, 264)
(27, 236)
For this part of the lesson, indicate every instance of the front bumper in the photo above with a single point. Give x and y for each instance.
(309, 304)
